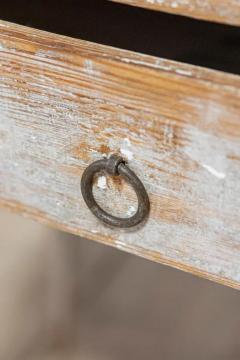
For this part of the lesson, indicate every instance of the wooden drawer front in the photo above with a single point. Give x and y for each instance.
(224, 11)
(65, 103)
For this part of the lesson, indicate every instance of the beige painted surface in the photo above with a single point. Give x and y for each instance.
(223, 11)
(65, 103)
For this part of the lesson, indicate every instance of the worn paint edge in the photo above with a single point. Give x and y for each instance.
(44, 219)
(179, 12)
(123, 56)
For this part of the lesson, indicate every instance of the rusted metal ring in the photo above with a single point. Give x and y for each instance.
(115, 165)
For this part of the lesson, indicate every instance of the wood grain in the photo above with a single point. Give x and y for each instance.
(223, 11)
(65, 103)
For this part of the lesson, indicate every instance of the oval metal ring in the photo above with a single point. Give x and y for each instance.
(115, 165)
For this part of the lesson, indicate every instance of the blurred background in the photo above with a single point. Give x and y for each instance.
(63, 297)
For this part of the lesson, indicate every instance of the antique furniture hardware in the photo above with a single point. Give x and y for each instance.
(115, 165)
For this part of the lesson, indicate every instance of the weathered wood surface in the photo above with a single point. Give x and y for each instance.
(223, 11)
(65, 103)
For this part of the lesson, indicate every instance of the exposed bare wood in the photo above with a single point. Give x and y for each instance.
(223, 11)
(65, 103)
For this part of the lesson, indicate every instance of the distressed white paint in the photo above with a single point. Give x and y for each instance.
(126, 149)
(227, 11)
(102, 182)
(214, 172)
(127, 153)
(184, 72)
(56, 118)
(131, 210)
(88, 66)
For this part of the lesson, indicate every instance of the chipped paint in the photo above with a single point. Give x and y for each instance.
(214, 172)
(102, 182)
(184, 72)
(88, 66)
(126, 149)
(131, 210)
(127, 153)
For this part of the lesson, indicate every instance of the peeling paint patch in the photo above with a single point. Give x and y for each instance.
(88, 66)
(102, 182)
(125, 149)
(183, 72)
(214, 172)
(127, 153)
(131, 210)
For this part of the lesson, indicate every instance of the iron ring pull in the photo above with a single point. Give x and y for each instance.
(115, 165)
